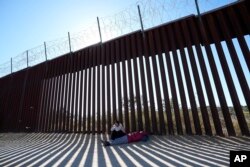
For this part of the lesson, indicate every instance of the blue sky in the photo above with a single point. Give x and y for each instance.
(28, 23)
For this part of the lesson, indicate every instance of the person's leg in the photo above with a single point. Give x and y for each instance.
(113, 135)
(120, 140)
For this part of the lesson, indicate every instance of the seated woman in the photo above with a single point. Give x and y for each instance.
(129, 138)
(117, 130)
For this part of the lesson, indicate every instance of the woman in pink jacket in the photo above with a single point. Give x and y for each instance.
(126, 138)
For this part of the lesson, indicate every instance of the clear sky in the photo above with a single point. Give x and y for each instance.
(28, 23)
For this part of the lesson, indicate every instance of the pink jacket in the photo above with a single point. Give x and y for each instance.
(136, 136)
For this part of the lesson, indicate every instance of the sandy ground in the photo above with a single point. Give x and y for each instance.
(62, 149)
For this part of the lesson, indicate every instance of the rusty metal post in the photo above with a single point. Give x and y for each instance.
(142, 28)
(99, 29)
(11, 69)
(69, 42)
(45, 51)
(27, 54)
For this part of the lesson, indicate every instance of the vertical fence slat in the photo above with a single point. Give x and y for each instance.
(124, 78)
(86, 57)
(137, 86)
(190, 28)
(67, 75)
(94, 90)
(139, 42)
(113, 77)
(131, 101)
(54, 107)
(203, 108)
(73, 99)
(90, 55)
(180, 83)
(77, 73)
(228, 77)
(81, 68)
(61, 95)
(44, 102)
(216, 78)
(235, 58)
(159, 48)
(189, 86)
(107, 49)
(36, 89)
(172, 83)
(119, 93)
(98, 81)
(103, 55)
(152, 51)
(41, 98)
(150, 84)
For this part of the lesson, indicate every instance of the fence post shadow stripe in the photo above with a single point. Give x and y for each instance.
(189, 155)
(14, 160)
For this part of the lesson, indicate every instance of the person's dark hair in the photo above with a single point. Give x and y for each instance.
(116, 121)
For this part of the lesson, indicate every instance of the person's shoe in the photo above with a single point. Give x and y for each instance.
(145, 138)
(105, 143)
